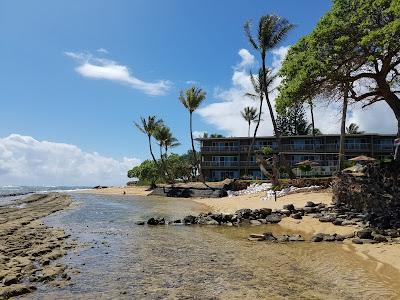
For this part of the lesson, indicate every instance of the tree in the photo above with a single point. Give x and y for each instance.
(216, 135)
(191, 99)
(147, 172)
(148, 127)
(353, 129)
(272, 30)
(356, 44)
(250, 115)
(293, 121)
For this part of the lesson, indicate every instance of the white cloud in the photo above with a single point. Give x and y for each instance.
(198, 134)
(247, 58)
(100, 68)
(27, 161)
(191, 82)
(102, 50)
(224, 114)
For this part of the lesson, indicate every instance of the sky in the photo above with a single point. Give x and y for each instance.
(75, 75)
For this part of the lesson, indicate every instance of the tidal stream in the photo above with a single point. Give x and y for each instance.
(119, 259)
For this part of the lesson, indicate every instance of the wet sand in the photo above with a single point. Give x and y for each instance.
(115, 190)
(28, 247)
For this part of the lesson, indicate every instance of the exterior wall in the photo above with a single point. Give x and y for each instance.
(227, 157)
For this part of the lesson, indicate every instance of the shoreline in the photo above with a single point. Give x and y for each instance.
(115, 190)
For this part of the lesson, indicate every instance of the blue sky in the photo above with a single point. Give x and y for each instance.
(44, 94)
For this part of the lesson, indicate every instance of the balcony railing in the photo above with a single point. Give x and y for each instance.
(228, 164)
(220, 149)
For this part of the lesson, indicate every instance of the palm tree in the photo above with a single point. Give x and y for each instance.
(148, 127)
(312, 123)
(191, 99)
(353, 129)
(271, 31)
(250, 115)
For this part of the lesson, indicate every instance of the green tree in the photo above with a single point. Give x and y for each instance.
(272, 30)
(250, 115)
(293, 121)
(353, 129)
(148, 127)
(191, 99)
(354, 51)
(147, 172)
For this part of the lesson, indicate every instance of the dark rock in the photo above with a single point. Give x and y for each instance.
(264, 212)
(283, 238)
(140, 222)
(268, 236)
(393, 233)
(338, 222)
(179, 221)
(296, 238)
(152, 221)
(289, 207)
(348, 223)
(243, 213)
(310, 210)
(273, 218)
(317, 238)
(310, 204)
(286, 212)
(189, 219)
(365, 234)
(297, 216)
(327, 218)
(380, 238)
(184, 192)
(227, 218)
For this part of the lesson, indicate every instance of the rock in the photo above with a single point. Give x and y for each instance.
(297, 216)
(11, 278)
(340, 238)
(243, 213)
(262, 221)
(268, 236)
(228, 224)
(283, 238)
(286, 212)
(15, 290)
(380, 238)
(393, 233)
(289, 207)
(227, 218)
(338, 222)
(310, 210)
(211, 222)
(348, 223)
(255, 239)
(152, 221)
(296, 238)
(364, 241)
(310, 204)
(273, 218)
(321, 205)
(329, 237)
(327, 218)
(259, 236)
(317, 238)
(264, 212)
(255, 222)
(365, 234)
(178, 221)
(140, 222)
(189, 219)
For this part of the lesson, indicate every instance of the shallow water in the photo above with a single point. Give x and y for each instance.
(122, 260)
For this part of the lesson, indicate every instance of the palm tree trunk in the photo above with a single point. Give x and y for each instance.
(248, 131)
(164, 166)
(151, 151)
(277, 132)
(343, 131)
(312, 125)
(246, 171)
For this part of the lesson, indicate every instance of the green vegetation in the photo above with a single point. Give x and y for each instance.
(353, 129)
(250, 115)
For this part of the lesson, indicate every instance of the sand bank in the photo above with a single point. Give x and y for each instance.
(232, 204)
(131, 190)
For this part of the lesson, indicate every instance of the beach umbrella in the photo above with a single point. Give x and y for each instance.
(307, 163)
(362, 158)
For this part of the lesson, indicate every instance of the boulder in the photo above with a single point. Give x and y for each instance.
(268, 236)
(297, 216)
(340, 238)
(310, 204)
(189, 219)
(273, 218)
(152, 221)
(348, 223)
(364, 241)
(264, 212)
(243, 213)
(286, 212)
(289, 207)
(338, 222)
(327, 218)
(319, 237)
(296, 238)
(365, 234)
(310, 210)
(15, 290)
(255, 222)
(283, 238)
(329, 237)
(140, 222)
(380, 238)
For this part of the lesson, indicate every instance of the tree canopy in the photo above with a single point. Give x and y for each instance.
(357, 45)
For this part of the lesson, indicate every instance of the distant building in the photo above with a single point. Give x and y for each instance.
(227, 157)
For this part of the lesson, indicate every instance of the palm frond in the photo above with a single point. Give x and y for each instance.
(247, 31)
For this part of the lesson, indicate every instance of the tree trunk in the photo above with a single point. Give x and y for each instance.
(193, 149)
(312, 125)
(246, 171)
(343, 131)
(151, 151)
(164, 167)
(272, 115)
(248, 131)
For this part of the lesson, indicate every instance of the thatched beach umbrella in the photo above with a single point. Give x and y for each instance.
(362, 158)
(307, 163)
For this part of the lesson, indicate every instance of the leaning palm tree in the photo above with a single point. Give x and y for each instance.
(353, 129)
(148, 127)
(164, 138)
(250, 115)
(191, 99)
(271, 31)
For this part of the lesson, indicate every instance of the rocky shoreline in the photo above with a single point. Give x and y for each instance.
(28, 247)
(337, 215)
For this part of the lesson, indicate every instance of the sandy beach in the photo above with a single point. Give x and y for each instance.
(115, 190)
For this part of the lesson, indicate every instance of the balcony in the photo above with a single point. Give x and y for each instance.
(228, 164)
(220, 149)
